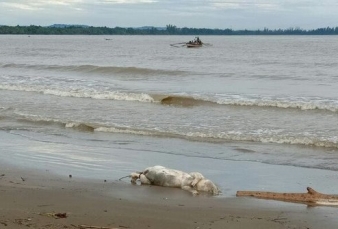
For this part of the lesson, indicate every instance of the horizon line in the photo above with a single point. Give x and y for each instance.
(164, 27)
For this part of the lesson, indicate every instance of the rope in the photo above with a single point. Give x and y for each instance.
(124, 177)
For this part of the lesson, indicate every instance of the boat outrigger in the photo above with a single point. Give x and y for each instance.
(191, 44)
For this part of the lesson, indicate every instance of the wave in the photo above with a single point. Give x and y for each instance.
(82, 93)
(294, 103)
(214, 137)
(96, 69)
(236, 100)
(331, 142)
(230, 136)
(4, 108)
(38, 120)
(184, 100)
(112, 95)
(80, 126)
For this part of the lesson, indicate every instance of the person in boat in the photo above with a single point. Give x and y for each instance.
(196, 41)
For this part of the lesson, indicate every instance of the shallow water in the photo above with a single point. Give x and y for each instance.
(237, 108)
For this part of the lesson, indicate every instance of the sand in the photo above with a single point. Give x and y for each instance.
(33, 199)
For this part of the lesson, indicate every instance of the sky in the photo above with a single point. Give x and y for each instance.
(220, 14)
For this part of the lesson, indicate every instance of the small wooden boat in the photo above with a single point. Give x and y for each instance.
(195, 43)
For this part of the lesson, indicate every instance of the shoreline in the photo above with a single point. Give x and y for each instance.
(30, 197)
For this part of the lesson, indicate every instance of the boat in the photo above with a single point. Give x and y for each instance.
(191, 44)
(194, 43)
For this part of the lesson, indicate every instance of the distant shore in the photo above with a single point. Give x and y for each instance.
(39, 199)
(64, 29)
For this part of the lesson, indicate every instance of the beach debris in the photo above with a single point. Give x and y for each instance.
(193, 182)
(312, 197)
(24, 222)
(60, 215)
(96, 227)
(55, 215)
(124, 177)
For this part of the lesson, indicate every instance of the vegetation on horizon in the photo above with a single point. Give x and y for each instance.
(169, 30)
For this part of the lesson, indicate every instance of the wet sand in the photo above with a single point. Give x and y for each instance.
(33, 198)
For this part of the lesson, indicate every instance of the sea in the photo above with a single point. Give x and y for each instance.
(249, 112)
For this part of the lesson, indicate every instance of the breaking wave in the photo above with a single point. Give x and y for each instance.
(215, 137)
(331, 142)
(235, 100)
(184, 100)
(302, 103)
(82, 93)
(96, 69)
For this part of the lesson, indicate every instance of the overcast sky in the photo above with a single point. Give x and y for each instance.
(235, 14)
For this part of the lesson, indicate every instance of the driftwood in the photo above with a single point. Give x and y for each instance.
(312, 197)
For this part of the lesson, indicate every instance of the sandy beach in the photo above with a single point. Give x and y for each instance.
(257, 118)
(34, 199)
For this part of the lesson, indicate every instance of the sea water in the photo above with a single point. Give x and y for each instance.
(246, 111)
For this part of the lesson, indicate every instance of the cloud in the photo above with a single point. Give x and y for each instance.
(38, 4)
(17, 6)
(127, 1)
(183, 13)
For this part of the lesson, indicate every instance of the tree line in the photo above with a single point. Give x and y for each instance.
(169, 30)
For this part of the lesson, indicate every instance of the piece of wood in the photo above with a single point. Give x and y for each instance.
(312, 197)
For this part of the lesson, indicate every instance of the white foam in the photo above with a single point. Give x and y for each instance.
(287, 102)
(72, 124)
(264, 136)
(302, 103)
(82, 93)
(261, 135)
(123, 131)
(269, 137)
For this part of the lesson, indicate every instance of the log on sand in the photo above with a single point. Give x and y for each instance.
(312, 197)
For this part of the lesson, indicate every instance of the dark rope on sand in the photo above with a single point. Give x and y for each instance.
(140, 173)
(124, 177)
